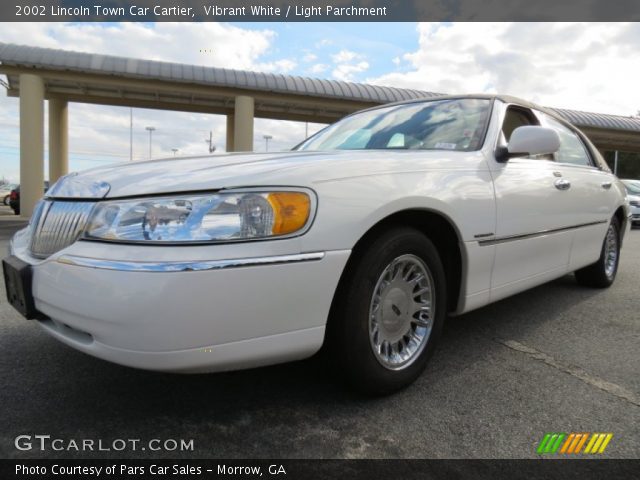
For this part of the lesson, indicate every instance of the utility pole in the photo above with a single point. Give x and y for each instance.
(212, 147)
(266, 142)
(174, 150)
(150, 130)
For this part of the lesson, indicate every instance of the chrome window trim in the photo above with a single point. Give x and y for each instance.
(186, 266)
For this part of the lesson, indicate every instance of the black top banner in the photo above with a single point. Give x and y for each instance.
(317, 11)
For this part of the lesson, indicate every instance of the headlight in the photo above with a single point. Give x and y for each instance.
(220, 217)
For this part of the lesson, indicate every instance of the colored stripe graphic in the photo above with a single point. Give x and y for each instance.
(605, 442)
(598, 443)
(543, 443)
(551, 443)
(572, 443)
(581, 443)
(592, 441)
(567, 443)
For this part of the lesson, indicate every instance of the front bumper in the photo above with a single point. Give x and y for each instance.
(185, 315)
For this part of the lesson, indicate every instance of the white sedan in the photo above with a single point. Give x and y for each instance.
(362, 239)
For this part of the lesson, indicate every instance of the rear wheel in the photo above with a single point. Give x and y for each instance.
(389, 312)
(602, 273)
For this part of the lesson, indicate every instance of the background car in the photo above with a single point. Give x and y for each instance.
(14, 197)
(5, 192)
(633, 192)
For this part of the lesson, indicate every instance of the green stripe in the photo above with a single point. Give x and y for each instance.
(543, 443)
(550, 443)
(558, 443)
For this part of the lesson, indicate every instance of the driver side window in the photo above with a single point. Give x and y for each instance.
(519, 117)
(514, 118)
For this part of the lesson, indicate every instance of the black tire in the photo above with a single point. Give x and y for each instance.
(348, 339)
(597, 275)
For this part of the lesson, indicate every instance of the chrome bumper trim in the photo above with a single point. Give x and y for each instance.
(187, 266)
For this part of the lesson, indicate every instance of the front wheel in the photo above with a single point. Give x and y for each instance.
(602, 273)
(389, 312)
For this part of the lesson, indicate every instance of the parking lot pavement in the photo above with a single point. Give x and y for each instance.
(559, 358)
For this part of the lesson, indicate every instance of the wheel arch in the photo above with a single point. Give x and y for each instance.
(439, 228)
(621, 215)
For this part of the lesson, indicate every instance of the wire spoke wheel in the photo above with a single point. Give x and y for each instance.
(401, 312)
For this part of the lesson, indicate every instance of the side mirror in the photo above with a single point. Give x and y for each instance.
(529, 140)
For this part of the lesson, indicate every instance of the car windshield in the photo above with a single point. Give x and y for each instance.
(457, 124)
(633, 186)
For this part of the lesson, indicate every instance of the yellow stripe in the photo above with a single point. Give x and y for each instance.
(591, 442)
(567, 442)
(584, 439)
(596, 445)
(605, 443)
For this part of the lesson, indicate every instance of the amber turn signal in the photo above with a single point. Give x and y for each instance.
(290, 211)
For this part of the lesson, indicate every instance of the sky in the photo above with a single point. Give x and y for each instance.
(582, 66)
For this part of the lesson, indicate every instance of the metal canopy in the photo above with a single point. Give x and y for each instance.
(111, 80)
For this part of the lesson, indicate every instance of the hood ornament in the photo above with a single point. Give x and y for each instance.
(70, 186)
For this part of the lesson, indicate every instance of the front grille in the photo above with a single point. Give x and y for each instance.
(57, 225)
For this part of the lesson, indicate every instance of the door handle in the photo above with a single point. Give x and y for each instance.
(562, 184)
(606, 185)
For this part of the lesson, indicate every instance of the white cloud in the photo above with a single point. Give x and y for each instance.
(310, 57)
(344, 56)
(346, 71)
(590, 66)
(323, 43)
(348, 64)
(281, 66)
(319, 68)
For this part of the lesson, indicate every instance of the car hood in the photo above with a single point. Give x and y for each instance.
(174, 175)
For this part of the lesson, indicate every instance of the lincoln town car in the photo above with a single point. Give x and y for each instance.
(360, 241)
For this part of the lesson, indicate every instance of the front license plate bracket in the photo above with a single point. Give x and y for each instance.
(18, 285)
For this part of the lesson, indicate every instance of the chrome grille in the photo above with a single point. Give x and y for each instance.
(57, 225)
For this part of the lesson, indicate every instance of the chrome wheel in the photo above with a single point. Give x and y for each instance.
(401, 312)
(611, 251)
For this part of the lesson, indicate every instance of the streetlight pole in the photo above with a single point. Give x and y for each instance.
(174, 150)
(266, 142)
(150, 130)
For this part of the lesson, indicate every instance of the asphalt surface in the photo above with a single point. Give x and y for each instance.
(558, 358)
